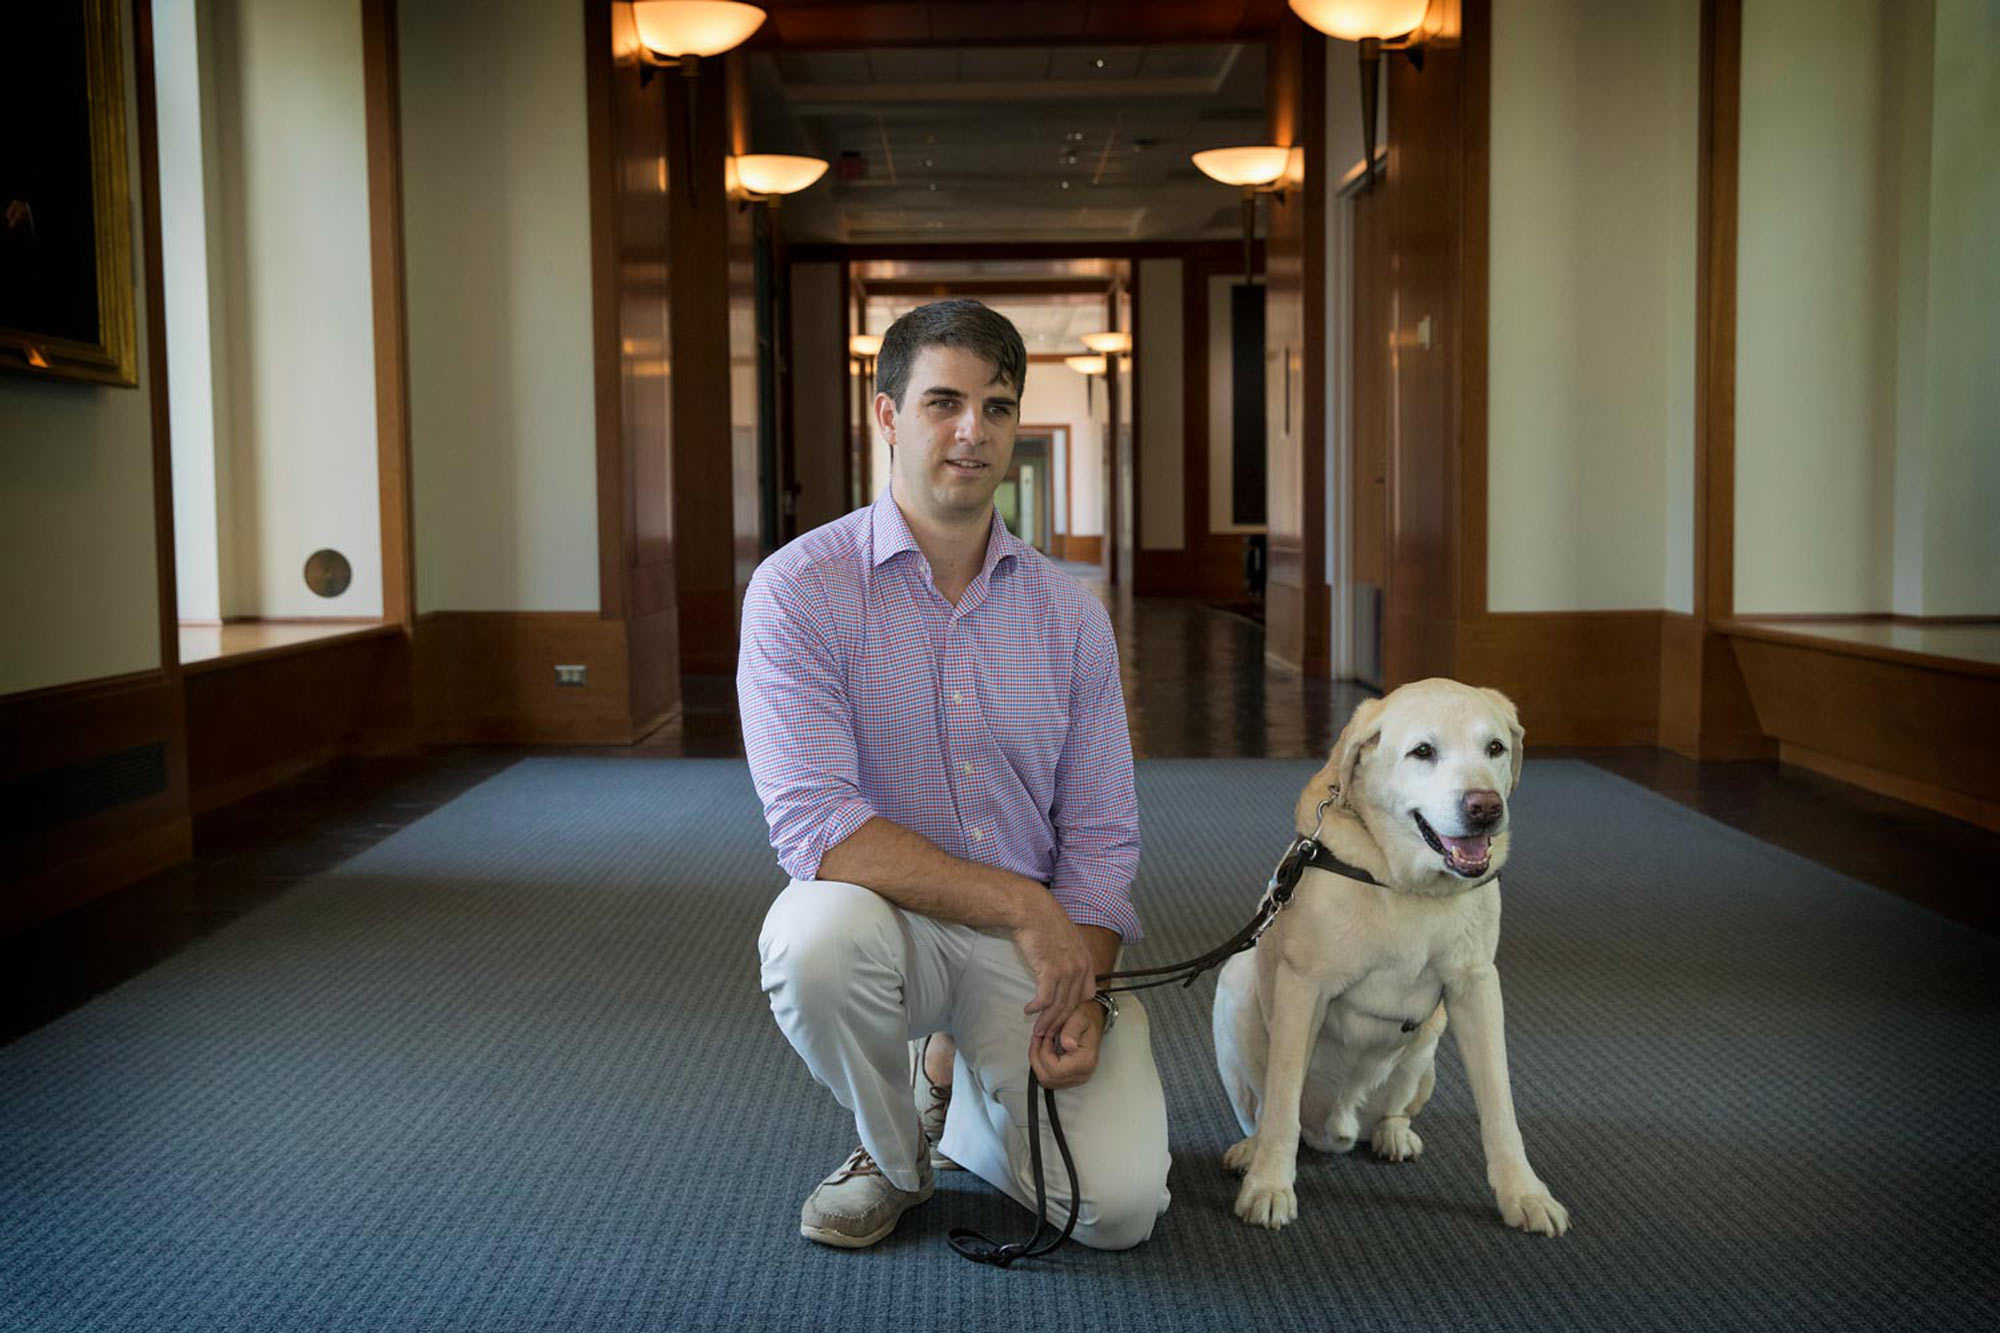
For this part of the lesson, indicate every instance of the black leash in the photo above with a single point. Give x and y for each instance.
(1305, 851)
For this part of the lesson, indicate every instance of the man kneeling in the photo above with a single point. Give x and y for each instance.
(935, 723)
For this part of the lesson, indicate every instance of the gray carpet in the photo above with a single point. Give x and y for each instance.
(509, 1070)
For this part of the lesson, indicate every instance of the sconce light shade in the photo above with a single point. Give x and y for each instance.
(1111, 343)
(864, 344)
(1250, 165)
(775, 173)
(1085, 365)
(674, 28)
(1352, 20)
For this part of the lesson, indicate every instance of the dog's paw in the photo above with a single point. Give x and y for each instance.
(1533, 1209)
(1267, 1204)
(1395, 1141)
(1237, 1157)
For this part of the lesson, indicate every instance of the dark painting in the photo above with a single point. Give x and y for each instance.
(65, 286)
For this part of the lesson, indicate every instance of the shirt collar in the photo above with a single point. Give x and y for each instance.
(893, 536)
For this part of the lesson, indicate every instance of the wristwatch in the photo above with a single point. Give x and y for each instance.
(1110, 1004)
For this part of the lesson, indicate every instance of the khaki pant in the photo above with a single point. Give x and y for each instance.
(853, 978)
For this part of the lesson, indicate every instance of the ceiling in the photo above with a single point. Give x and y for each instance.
(1048, 324)
(990, 143)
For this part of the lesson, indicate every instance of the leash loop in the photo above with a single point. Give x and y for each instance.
(1304, 850)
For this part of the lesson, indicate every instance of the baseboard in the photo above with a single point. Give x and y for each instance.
(488, 677)
(1932, 728)
(1082, 550)
(111, 832)
(1959, 805)
(1212, 570)
(1705, 709)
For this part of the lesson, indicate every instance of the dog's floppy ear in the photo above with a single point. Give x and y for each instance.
(1512, 717)
(1362, 731)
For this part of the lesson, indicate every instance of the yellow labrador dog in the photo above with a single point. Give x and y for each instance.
(1329, 1028)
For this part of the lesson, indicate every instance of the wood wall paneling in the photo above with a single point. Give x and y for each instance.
(1579, 678)
(1424, 202)
(702, 474)
(1919, 733)
(1297, 603)
(630, 178)
(488, 677)
(1209, 564)
(52, 869)
(256, 721)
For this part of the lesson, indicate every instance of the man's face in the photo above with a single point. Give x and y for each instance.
(953, 437)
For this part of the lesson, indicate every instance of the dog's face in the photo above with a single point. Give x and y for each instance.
(1429, 769)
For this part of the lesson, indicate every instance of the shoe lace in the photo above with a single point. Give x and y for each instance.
(858, 1163)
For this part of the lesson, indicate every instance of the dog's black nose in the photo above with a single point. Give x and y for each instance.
(1482, 807)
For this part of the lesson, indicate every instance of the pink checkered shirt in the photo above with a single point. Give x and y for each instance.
(995, 728)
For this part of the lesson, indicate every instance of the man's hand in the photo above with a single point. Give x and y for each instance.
(1068, 1057)
(1064, 964)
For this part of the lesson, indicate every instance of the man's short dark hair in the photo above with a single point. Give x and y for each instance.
(967, 325)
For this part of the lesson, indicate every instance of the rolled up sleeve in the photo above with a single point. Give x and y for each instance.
(798, 730)
(1096, 813)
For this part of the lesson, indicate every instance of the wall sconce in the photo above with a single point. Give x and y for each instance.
(1258, 169)
(757, 178)
(1089, 367)
(1378, 25)
(864, 347)
(676, 34)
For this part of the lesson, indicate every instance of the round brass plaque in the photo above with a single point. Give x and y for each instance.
(328, 573)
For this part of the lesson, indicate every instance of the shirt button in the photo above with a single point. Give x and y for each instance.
(977, 834)
(965, 767)
(957, 697)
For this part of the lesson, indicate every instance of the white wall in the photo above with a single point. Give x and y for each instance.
(186, 135)
(78, 576)
(1960, 440)
(496, 208)
(1161, 463)
(1058, 396)
(1868, 465)
(1815, 314)
(1591, 375)
(296, 349)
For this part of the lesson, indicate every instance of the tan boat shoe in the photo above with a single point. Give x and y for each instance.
(858, 1205)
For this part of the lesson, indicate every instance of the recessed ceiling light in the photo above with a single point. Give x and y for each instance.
(1064, 184)
(1098, 63)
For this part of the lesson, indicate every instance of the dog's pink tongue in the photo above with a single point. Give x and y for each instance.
(1468, 851)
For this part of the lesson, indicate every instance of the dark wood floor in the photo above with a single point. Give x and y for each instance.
(1197, 684)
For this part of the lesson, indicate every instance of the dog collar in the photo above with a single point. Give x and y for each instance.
(1315, 854)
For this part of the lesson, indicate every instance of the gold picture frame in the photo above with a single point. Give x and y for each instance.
(66, 294)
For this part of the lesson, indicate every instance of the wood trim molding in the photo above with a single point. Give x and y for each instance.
(1474, 306)
(1761, 629)
(381, 77)
(607, 360)
(1715, 310)
(167, 589)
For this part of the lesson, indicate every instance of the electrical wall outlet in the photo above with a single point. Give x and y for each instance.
(572, 675)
